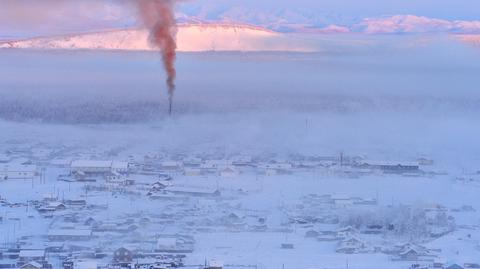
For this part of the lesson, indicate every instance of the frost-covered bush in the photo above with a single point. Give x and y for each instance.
(399, 220)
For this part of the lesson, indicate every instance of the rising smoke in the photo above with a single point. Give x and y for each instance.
(159, 17)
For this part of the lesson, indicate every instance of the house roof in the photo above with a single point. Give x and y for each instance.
(85, 264)
(352, 239)
(215, 263)
(229, 169)
(166, 242)
(188, 189)
(18, 168)
(91, 163)
(193, 170)
(340, 197)
(345, 229)
(31, 253)
(410, 250)
(55, 204)
(389, 163)
(60, 161)
(171, 163)
(70, 232)
(32, 263)
(119, 165)
(452, 265)
(123, 248)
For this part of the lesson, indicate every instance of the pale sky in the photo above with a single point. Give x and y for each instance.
(445, 9)
(23, 18)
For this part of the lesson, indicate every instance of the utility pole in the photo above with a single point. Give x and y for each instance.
(306, 125)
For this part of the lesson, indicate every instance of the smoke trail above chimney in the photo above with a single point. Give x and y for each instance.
(159, 17)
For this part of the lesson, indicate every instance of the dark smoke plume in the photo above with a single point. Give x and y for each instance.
(159, 17)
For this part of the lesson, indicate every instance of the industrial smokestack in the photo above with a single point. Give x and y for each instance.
(159, 17)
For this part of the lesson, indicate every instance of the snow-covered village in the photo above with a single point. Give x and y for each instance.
(213, 134)
(69, 207)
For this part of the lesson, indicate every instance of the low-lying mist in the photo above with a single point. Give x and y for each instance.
(433, 76)
(402, 97)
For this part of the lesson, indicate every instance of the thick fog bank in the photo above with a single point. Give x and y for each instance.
(97, 87)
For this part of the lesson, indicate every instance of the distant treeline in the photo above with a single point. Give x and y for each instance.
(91, 112)
(111, 109)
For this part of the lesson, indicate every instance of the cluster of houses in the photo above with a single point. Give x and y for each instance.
(17, 171)
(322, 218)
(28, 163)
(85, 242)
(122, 257)
(80, 236)
(24, 258)
(234, 166)
(441, 264)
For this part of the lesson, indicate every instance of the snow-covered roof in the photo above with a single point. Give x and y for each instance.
(408, 251)
(86, 265)
(60, 161)
(339, 196)
(229, 169)
(31, 253)
(452, 265)
(390, 163)
(242, 158)
(215, 263)
(192, 170)
(171, 163)
(91, 163)
(352, 239)
(18, 168)
(218, 162)
(69, 232)
(119, 165)
(55, 204)
(33, 263)
(190, 189)
(166, 242)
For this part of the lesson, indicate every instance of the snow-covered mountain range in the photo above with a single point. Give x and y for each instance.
(190, 38)
(401, 24)
(471, 39)
(199, 37)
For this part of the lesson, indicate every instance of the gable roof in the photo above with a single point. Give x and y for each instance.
(453, 266)
(32, 263)
(123, 249)
(409, 250)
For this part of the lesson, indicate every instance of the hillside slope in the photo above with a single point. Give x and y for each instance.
(190, 38)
